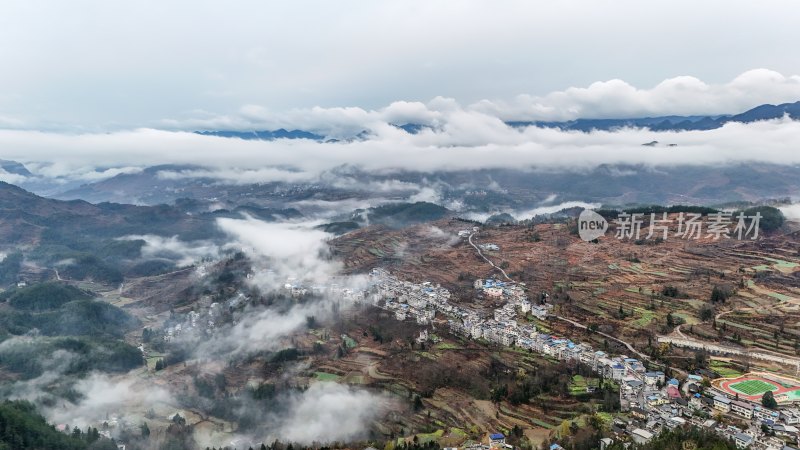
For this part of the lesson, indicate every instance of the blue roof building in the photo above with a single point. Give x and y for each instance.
(497, 437)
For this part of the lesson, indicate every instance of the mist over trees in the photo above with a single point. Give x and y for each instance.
(771, 218)
(23, 428)
(44, 296)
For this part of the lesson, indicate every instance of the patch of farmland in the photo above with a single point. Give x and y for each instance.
(646, 316)
(688, 319)
(724, 369)
(781, 297)
(782, 264)
(325, 376)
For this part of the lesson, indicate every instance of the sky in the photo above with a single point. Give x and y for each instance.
(95, 66)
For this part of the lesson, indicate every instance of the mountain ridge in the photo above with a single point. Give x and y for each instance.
(656, 123)
(672, 122)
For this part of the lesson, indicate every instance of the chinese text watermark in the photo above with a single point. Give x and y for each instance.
(720, 225)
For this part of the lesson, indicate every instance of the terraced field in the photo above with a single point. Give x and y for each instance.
(614, 285)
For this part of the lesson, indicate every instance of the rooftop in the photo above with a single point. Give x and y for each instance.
(643, 433)
(722, 399)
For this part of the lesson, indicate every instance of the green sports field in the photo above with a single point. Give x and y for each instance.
(753, 387)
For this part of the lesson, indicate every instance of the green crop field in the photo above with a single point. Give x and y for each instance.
(324, 376)
(447, 346)
(724, 370)
(781, 297)
(782, 263)
(349, 342)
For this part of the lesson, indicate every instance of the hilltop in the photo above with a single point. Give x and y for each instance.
(673, 123)
(634, 290)
(86, 235)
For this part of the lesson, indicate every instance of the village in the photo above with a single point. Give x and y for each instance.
(507, 312)
(651, 402)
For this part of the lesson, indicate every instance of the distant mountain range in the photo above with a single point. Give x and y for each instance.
(661, 123)
(14, 167)
(26, 218)
(518, 190)
(523, 189)
(672, 123)
(265, 135)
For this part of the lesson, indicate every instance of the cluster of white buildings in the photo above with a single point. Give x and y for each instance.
(206, 319)
(512, 293)
(783, 423)
(652, 412)
(208, 314)
(490, 247)
(297, 288)
(653, 402)
(409, 300)
(780, 437)
(653, 409)
(344, 293)
(422, 301)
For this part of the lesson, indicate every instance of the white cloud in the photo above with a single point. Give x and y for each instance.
(12, 178)
(61, 172)
(449, 239)
(615, 98)
(683, 95)
(529, 213)
(102, 395)
(426, 194)
(792, 212)
(53, 366)
(97, 395)
(294, 250)
(550, 198)
(460, 137)
(257, 331)
(553, 209)
(236, 175)
(382, 186)
(183, 253)
(330, 412)
(330, 208)
(488, 145)
(280, 252)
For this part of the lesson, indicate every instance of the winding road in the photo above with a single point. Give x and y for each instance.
(678, 339)
(480, 253)
(608, 336)
(573, 322)
(720, 349)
